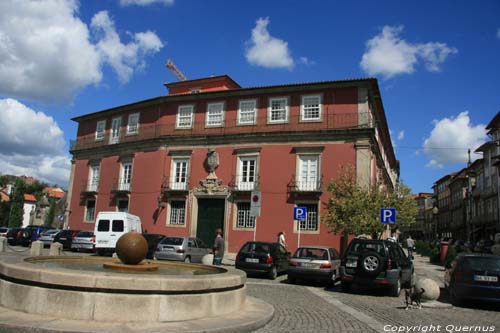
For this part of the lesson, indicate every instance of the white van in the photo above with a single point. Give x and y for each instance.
(110, 226)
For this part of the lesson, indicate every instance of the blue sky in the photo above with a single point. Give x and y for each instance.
(438, 65)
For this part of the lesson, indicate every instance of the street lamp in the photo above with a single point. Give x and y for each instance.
(435, 212)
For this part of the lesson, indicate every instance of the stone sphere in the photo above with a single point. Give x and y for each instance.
(131, 248)
(431, 288)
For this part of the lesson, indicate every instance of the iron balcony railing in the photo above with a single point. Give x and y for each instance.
(122, 185)
(306, 185)
(172, 185)
(244, 183)
(295, 124)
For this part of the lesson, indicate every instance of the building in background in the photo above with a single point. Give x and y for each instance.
(187, 162)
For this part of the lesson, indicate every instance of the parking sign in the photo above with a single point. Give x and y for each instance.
(300, 213)
(387, 215)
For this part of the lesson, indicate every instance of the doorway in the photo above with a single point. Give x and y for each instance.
(210, 218)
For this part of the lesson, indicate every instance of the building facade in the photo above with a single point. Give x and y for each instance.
(188, 162)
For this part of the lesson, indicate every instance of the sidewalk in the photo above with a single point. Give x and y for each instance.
(424, 269)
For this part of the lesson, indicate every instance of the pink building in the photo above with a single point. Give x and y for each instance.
(187, 162)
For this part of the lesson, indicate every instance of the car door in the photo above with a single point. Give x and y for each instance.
(192, 250)
(283, 258)
(203, 248)
(405, 263)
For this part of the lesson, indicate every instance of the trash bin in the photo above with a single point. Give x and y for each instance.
(444, 252)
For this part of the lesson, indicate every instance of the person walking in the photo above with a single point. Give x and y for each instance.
(281, 239)
(218, 248)
(410, 244)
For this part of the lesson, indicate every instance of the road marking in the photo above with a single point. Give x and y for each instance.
(362, 317)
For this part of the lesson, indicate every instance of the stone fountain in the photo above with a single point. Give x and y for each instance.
(53, 294)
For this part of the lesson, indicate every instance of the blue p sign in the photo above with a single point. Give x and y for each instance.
(300, 213)
(387, 215)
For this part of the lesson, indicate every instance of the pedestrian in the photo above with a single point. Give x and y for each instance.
(218, 248)
(281, 239)
(410, 244)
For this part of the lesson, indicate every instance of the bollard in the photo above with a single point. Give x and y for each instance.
(3, 244)
(114, 255)
(36, 248)
(55, 249)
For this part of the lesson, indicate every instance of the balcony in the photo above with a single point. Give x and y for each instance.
(122, 186)
(175, 186)
(244, 183)
(294, 124)
(90, 187)
(305, 186)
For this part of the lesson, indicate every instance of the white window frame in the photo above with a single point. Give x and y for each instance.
(242, 113)
(87, 211)
(247, 220)
(304, 109)
(309, 182)
(186, 120)
(114, 134)
(125, 181)
(176, 182)
(93, 181)
(304, 224)
(100, 130)
(244, 182)
(270, 110)
(133, 123)
(215, 113)
(177, 222)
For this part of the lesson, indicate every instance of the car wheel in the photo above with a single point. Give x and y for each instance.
(346, 286)
(187, 260)
(370, 263)
(273, 273)
(396, 288)
(100, 252)
(292, 280)
(453, 297)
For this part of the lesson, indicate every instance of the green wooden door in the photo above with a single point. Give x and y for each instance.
(210, 218)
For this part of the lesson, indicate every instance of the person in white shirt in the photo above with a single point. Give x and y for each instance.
(281, 239)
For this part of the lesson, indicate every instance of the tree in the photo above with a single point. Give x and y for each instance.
(49, 217)
(355, 210)
(17, 204)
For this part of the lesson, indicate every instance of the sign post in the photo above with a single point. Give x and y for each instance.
(299, 214)
(388, 216)
(255, 201)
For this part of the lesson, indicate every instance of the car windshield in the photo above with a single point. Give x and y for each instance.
(85, 234)
(172, 240)
(3, 229)
(491, 264)
(311, 253)
(362, 247)
(49, 232)
(256, 248)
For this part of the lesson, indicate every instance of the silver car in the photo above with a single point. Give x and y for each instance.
(47, 237)
(187, 249)
(83, 241)
(317, 263)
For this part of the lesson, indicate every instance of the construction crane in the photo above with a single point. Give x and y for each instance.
(176, 71)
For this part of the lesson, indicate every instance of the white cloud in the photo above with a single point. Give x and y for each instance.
(389, 55)
(46, 51)
(123, 58)
(146, 2)
(267, 51)
(306, 61)
(450, 138)
(31, 143)
(401, 135)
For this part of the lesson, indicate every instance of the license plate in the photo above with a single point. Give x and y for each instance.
(485, 278)
(307, 264)
(351, 264)
(255, 260)
(102, 241)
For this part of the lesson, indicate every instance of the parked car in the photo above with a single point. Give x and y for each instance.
(263, 257)
(3, 231)
(110, 226)
(13, 236)
(473, 276)
(47, 237)
(373, 263)
(316, 263)
(31, 233)
(187, 249)
(153, 240)
(65, 237)
(83, 241)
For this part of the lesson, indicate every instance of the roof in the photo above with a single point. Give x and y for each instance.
(495, 122)
(202, 80)
(29, 197)
(54, 192)
(485, 146)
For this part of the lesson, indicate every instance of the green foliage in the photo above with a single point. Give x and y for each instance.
(450, 256)
(17, 204)
(36, 188)
(4, 213)
(49, 217)
(354, 209)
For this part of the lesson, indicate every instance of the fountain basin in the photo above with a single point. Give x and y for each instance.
(65, 287)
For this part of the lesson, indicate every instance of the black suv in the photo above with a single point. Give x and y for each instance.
(372, 263)
(31, 233)
(263, 257)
